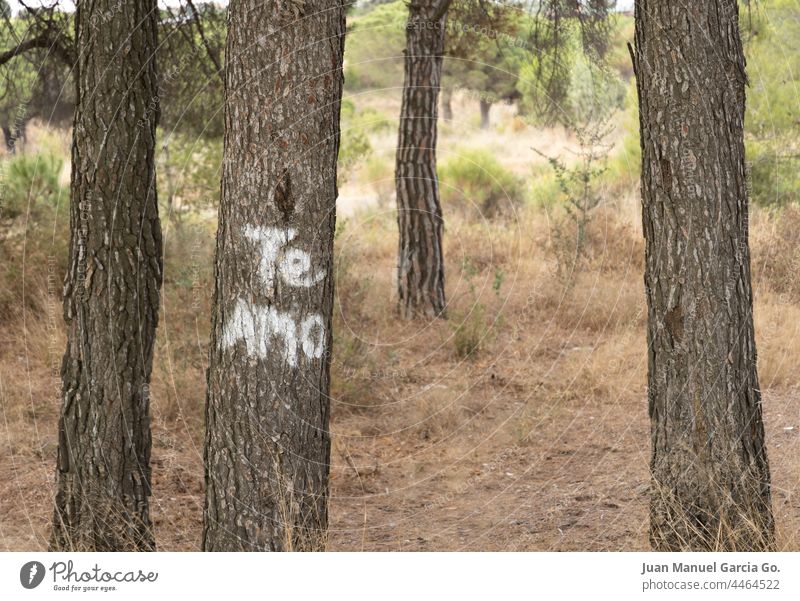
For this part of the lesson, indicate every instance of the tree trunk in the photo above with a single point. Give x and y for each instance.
(267, 440)
(710, 473)
(485, 108)
(8, 137)
(420, 262)
(111, 293)
(447, 104)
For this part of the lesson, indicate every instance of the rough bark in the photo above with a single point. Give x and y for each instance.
(486, 106)
(111, 294)
(267, 440)
(710, 475)
(420, 262)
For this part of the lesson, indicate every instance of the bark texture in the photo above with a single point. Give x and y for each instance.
(267, 439)
(111, 294)
(420, 262)
(710, 475)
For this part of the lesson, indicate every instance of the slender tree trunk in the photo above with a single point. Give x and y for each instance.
(267, 439)
(10, 140)
(447, 104)
(21, 137)
(486, 106)
(172, 214)
(420, 262)
(711, 483)
(111, 294)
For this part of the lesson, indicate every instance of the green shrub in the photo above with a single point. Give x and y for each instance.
(625, 164)
(544, 83)
(581, 193)
(774, 178)
(379, 174)
(188, 171)
(618, 56)
(36, 227)
(374, 50)
(374, 121)
(772, 45)
(474, 181)
(30, 180)
(545, 189)
(470, 332)
(355, 145)
(594, 92)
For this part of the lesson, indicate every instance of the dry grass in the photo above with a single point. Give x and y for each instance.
(736, 522)
(536, 439)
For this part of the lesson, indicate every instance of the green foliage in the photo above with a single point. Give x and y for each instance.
(575, 72)
(625, 166)
(379, 173)
(18, 77)
(188, 172)
(30, 181)
(473, 181)
(774, 176)
(485, 50)
(368, 119)
(191, 87)
(544, 79)
(355, 146)
(374, 48)
(374, 121)
(618, 57)
(595, 92)
(35, 83)
(580, 194)
(545, 190)
(34, 223)
(772, 31)
(579, 89)
(469, 332)
(471, 328)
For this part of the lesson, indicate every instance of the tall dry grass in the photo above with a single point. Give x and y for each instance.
(554, 350)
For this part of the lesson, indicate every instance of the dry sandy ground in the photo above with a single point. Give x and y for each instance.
(577, 483)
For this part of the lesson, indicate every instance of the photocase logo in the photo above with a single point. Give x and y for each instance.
(31, 574)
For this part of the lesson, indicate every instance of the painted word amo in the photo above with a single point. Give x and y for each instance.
(259, 327)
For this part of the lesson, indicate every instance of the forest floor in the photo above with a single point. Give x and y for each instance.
(519, 423)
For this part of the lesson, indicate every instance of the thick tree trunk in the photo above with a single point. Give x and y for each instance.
(267, 439)
(420, 262)
(447, 104)
(486, 106)
(111, 294)
(711, 483)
